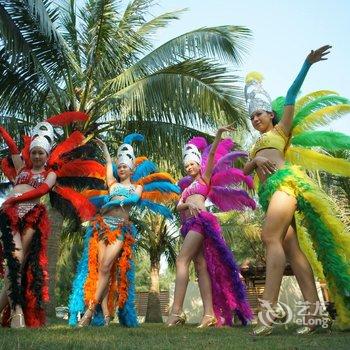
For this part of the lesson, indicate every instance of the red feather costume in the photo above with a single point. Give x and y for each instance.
(28, 283)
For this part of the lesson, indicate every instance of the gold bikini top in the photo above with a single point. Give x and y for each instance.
(275, 138)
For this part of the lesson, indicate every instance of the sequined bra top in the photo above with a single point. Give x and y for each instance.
(196, 187)
(122, 191)
(128, 194)
(27, 177)
(275, 138)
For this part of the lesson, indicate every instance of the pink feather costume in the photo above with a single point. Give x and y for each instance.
(229, 294)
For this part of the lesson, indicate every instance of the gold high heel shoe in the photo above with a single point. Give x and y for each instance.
(86, 319)
(107, 320)
(306, 330)
(181, 319)
(279, 316)
(211, 321)
(21, 323)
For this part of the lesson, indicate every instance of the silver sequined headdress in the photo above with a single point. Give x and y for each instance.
(256, 96)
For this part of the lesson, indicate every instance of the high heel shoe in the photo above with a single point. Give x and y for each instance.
(86, 319)
(210, 322)
(107, 320)
(20, 318)
(306, 330)
(180, 320)
(279, 316)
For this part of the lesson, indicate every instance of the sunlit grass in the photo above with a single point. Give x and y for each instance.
(155, 336)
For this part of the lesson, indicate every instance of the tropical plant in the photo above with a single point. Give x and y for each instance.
(242, 234)
(97, 56)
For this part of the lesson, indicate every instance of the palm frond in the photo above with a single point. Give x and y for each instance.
(149, 28)
(193, 87)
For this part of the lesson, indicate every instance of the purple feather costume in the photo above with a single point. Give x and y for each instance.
(229, 294)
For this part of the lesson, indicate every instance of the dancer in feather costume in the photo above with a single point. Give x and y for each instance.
(210, 175)
(298, 213)
(24, 222)
(106, 272)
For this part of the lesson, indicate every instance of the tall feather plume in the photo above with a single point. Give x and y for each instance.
(143, 169)
(185, 182)
(231, 176)
(25, 151)
(224, 147)
(82, 168)
(155, 177)
(226, 161)
(313, 160)
(129, 139)
(8, 168)
(67, 118)
(312, 96)
(84, 209)
(156, 208)
(278, 106)
(73, 141)
(317, 104)
(199, 141)
(230, 199)
(328, 140)
(161, 186)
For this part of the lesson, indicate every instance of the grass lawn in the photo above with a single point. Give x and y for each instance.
(154, 336)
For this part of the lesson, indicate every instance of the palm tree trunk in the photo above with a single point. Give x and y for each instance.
(56, 220)
(153, 313)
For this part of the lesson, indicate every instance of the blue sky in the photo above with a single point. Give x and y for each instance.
(283, 33)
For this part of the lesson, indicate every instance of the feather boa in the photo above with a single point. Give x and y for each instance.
(329, 236)
(229, 294)
(31, 290)
(123, 286)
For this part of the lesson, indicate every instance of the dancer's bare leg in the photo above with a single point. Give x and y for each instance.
(107, 255)
(204, 284)
(22, 246)
(301, 268)
(279, 216)
(3, 295)
(191, 245)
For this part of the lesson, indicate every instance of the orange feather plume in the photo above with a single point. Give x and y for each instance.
(155, 177)
(160, 197)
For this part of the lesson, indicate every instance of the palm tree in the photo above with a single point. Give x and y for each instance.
(97, 57)
(158, 236)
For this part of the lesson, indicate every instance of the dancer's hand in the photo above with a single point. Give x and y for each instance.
(229, 127)
(265, 165)
(194, 209)
(99, 143)
(319, 54)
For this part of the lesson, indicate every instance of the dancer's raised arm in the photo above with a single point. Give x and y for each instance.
(288, 113)
(214, 146)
